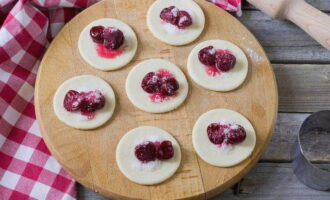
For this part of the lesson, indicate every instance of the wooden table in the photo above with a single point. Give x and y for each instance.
(302, 69)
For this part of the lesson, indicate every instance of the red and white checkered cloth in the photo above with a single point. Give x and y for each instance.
(232, 6)
(27, 170)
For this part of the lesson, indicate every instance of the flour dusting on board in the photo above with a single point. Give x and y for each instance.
(254, 55)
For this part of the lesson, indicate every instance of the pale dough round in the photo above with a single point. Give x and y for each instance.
(84, 83)
(140, 98)
(87, 49)
(212, 154)
(225, 82)
(170, 34)
(129, 164)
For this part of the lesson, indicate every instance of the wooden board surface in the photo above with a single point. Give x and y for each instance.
(89, 156)
(266, 181)
(284, 50)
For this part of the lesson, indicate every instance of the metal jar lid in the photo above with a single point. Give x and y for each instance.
(314, 135)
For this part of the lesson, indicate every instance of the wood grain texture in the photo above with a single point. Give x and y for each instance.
(284, 135)
(273, 181)
(303, 88)
(283, 41)
(311, 20)
(89, 156)
(266, 181)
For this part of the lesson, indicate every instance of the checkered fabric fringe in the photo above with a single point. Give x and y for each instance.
(27, 170)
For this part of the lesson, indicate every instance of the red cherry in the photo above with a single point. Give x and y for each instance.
(92, 101)
(170, 15)
(72, 101)
(184, 20)
(113, 38)
(207, 55)
(237, 134)
(169, 85)
(151, 82)
(165, 150)
(215, 133)
(96, 33)
(225, 61)
(146, 152)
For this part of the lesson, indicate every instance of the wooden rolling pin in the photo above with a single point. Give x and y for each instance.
(310, 19)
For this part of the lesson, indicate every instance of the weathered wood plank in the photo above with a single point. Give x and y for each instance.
(266, 181)
(84, 193)
(273, 181)
(283, 41)
(284, 136)
(303, 88)
(319, 4)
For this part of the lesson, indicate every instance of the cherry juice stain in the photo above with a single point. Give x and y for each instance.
(212, 70)
(164, 72)
(157, 97)
(89, 115)
(108, 53)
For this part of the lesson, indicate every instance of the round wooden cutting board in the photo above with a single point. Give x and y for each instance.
(89, 156)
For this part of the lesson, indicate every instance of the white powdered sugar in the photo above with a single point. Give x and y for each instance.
(149, 166)
(75, 104)
(153, 138)
(234, 126)
(224, 122)
(80, 116)
(224, 75)
(225, 147)
(154, 79)
(171, 29)
(212, 51)
(175, 11)
(114, 29)
(83, 89)
(183, 19)
(226, 131)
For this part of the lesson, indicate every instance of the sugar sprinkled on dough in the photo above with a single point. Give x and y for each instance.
(149, 166)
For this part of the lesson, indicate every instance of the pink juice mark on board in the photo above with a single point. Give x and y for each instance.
(108, 53)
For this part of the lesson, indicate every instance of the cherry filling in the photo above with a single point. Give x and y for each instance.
(176, 17)
(224, 61)
(226, 133)
(108, 41)
(86, 102)
(150, 151)
(216, 60)
(161, 85)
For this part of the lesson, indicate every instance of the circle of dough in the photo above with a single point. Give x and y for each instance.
(125, 156)
(209, 152)
(84, 83)
(140, 98)
(154, 22)
(87, 49)
(233, 79)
